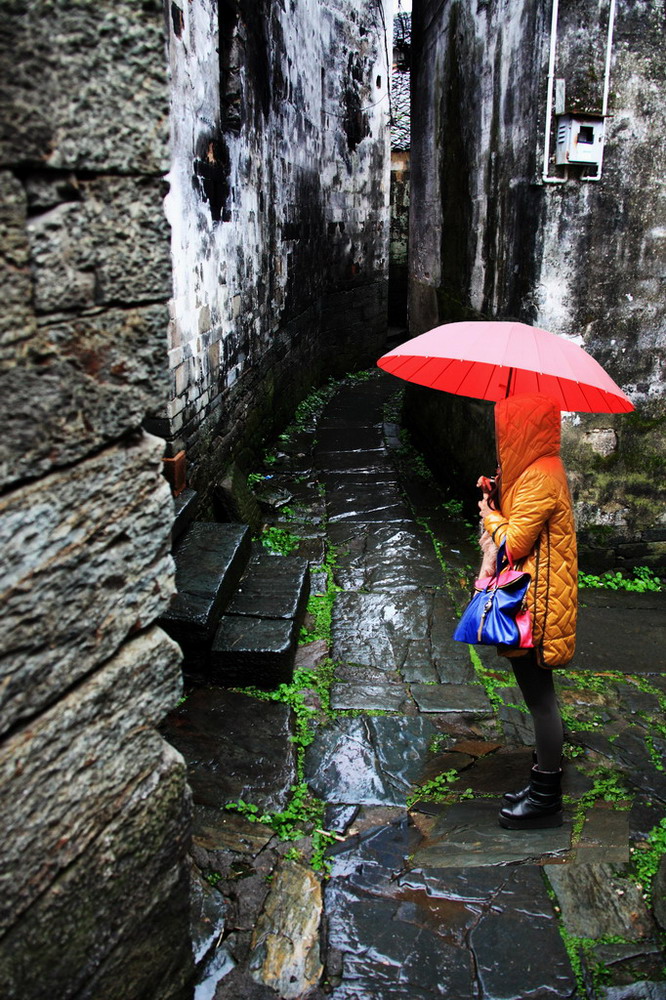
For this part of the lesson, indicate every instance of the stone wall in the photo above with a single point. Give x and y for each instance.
(95, 816)
(278, 204)
(584, 259)
(399, 242)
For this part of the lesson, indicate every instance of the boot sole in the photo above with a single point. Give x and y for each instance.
(533, 823)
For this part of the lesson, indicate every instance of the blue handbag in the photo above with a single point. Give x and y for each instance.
(497, 614)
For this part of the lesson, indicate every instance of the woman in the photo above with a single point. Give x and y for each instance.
(535, 519)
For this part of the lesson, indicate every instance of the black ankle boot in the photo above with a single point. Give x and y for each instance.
(542, 806)
(521, 793)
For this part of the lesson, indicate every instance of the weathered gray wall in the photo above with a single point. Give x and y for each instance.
(278, 204)
(399, 241)
(95, 806)
(583, 259)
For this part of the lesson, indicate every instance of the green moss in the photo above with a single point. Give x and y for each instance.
(646, 859)
(320, 605)
(607, 786)
(279, 540)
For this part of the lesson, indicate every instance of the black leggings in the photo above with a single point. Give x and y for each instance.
(538, 690)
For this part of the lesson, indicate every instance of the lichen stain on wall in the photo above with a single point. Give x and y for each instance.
(278, 200)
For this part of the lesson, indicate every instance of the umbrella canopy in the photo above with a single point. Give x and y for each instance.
(491, 360)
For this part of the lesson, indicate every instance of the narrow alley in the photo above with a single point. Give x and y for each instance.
(346, 841)
(241, 756)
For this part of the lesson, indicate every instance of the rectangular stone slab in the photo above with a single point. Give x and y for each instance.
(185, 508)
(253, 651)
(468, 834)
(465, 698)
(619, 630)
(209, 562)
(272, 587)
(384, 697)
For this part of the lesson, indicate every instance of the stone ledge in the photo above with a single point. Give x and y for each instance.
(73, 770)
(86, 562)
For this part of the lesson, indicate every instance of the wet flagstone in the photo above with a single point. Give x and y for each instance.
(519, 958)
(214, 829)
(368, 760)
(384, 559)
(435, 900)
(605, 835)
(468, 699)
(440, 934)
(235, 747)
(596, 902)
(384, 697)
(467, 834)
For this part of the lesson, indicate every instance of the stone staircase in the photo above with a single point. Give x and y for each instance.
(238, 609)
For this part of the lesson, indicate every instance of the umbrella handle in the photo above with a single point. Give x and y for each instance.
(508, 385)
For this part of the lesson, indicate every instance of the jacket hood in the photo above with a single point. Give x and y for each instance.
(527, 427)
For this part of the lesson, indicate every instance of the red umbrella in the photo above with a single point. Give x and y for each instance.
(491, 360)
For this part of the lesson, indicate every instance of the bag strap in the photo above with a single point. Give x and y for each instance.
(502, 555)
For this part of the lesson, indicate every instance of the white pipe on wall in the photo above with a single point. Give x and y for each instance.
(549, 99)
(609, 43)
(604, 103)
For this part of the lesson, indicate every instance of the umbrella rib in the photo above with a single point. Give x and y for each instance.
(491, 373)
(591, 407)
(469, 366)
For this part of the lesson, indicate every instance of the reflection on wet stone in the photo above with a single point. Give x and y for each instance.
(518, 957)
(386, 697)
(392, 559)
(372, 761)
(379, 630)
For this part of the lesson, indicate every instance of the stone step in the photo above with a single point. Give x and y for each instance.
(210, 560)
(185, 509)
(256, 639)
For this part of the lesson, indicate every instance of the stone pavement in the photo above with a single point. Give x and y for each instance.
(412, 742)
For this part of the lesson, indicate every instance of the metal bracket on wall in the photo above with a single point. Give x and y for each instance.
(546, 178)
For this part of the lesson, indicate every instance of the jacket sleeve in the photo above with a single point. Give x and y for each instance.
(534, 501)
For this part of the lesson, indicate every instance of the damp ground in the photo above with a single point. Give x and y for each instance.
(346, 842)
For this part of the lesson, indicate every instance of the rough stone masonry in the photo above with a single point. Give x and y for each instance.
(203, 320)
(95, 804)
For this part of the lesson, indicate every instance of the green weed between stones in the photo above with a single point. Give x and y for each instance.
(304, 813)
(435, 790)
(320, 605)
(643, 580)
(607, 786)
(646, 857)
(439, 789)
(490, 681)
(280, 541)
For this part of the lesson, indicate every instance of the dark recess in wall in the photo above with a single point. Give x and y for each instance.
(455, 172)
(211, 174)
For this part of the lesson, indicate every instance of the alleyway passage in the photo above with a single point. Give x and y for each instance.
(409, 743)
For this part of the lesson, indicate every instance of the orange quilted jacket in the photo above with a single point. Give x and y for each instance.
(536, 519)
